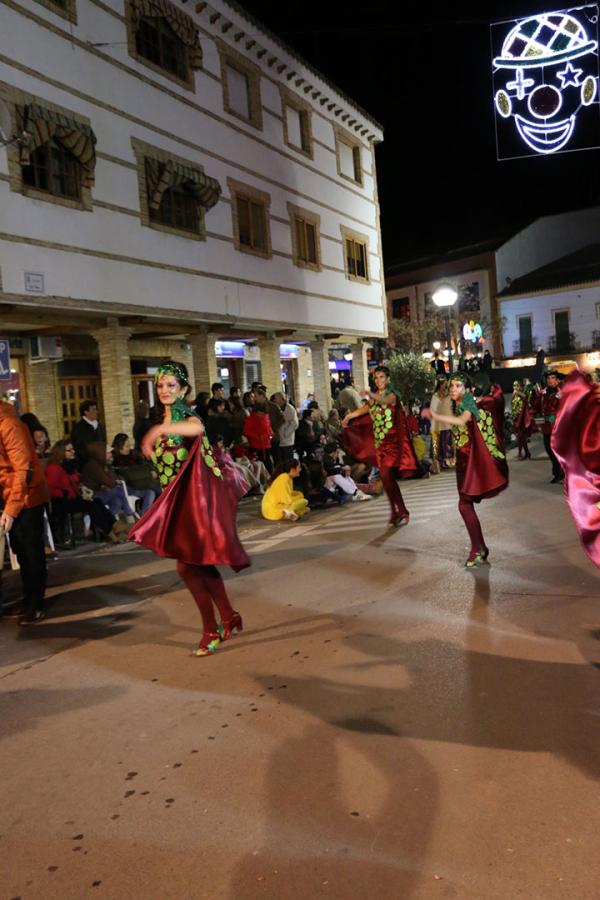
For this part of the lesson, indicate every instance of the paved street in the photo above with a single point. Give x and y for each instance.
(389, 724)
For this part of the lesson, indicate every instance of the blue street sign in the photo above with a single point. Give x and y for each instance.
(4, 360)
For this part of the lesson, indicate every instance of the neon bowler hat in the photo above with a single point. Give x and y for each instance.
(544, 40)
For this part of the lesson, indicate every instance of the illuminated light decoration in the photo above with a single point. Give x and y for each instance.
(588, 91)
(569, 75)
(520, 84)
(503, 104)
(545, 138)
(537, 85)
(544, 101)
(472, 331)
(544, 40)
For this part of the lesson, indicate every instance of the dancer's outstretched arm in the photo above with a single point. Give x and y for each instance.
(191, 427)
(354, 414)
(447, 420)
(386, 399)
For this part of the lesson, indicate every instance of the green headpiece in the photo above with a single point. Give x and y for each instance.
(461, 377)
(172, 368)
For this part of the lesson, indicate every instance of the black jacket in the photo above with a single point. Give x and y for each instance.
(84, 434)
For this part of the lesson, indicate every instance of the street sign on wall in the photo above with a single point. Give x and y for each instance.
(4, 360)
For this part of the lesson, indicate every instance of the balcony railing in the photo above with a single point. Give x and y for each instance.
(525, 346)
(563, 343)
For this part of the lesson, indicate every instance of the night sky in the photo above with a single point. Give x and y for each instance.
(423, 71)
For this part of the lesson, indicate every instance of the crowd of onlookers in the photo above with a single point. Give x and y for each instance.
(107, 485)
(99, 488)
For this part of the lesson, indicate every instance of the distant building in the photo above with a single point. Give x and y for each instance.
(470, 270)
(177, 183)
(555, 307)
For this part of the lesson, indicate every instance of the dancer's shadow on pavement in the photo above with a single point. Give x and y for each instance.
(359, 752)
(26, 707)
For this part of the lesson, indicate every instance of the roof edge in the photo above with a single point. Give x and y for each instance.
(253, 20)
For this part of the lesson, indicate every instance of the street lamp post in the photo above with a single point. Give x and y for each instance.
(444, 297)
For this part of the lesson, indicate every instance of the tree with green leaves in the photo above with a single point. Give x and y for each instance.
(412, 375)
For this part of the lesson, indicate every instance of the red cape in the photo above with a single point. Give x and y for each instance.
(194, 519)
(576, 443)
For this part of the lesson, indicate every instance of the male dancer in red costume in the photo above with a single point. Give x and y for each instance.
(547, 402)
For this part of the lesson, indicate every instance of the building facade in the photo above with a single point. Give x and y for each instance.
(557, 308)
(174, 179)
(471, 271)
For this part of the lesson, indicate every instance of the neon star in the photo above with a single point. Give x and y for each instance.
(569, 75)
(520, 83)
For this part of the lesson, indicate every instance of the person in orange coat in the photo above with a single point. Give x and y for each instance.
(23, 493)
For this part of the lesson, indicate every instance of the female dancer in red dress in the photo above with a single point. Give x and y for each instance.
(481, 469)
(194, 519)
(383, 440)
(576, 444)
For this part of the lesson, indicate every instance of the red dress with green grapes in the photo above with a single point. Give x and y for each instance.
(194, 519)
(481, 469)
(382, 439)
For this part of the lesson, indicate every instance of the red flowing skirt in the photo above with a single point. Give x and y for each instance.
(194, 519)
(576, 442)
(395, 451)
(479, 475)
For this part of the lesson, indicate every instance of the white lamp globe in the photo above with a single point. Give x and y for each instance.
(445, 295)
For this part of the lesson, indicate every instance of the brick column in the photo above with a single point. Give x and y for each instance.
(204, 361)
(270, 364)
(115, 374)
(360, 368)
(43, 396)
(321, 376)
(304, 380)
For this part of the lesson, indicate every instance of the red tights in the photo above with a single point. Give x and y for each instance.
(207, 588)
(522, 443)
(467, 511)
(389, 477)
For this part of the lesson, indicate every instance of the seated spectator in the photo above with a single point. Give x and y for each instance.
(41, 438)
(305, 435)
(41, 442)
(333, 425)
(231, 468)
(348, 398)
(318, 419)
(257, 428)
(218, 422)
(201, 404)
(63, 484)
(237, 414)
(258, 474)
(339, 474)
(142, 422)
(100, 479)
(309, 398)
(137, 473)
(87, 431)
(281, 501)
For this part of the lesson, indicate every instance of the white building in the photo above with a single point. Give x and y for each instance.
(175, 176)
(556, 307)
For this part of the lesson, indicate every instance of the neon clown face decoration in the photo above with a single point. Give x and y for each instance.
(545, 75)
